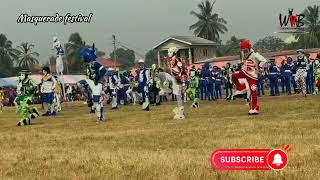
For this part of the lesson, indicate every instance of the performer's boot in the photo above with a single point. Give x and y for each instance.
(179, 113)
(158, 100)
(254, 111)
(146, 105)
(34, 114)
(195, 103)
(24, 122)
(114, 103)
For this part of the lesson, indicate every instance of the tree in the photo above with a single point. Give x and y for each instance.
(8, 55)
(230, 48)
(27, 56)
(73, 47)
(311, 38)
(269, 44)
(124, 57)
(209, 24)
(151, 58)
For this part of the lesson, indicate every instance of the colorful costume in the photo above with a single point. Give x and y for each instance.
(179, 77)
(114, 83)
(193, 88)
(301, 75)
(316, 72)
(155, 85)
(25, 90)
(143, 85)
(59, 63)
(228, 81)
(97, 98)
(48, 84)
(251, 62)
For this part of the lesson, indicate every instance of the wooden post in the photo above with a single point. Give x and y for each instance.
(190, 56)
(159, 62)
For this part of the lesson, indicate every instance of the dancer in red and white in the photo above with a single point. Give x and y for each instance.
(251, 62)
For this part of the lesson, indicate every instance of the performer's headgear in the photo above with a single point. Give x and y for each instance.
(88, 54)
(55, 39)
(26, 73)
(245, 44)
(172, 51)
(46, 69)
(141, 61)
(300, 50)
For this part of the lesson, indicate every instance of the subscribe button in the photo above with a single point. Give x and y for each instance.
(249, 159)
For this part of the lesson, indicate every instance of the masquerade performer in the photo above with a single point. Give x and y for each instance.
(132, 91)
(301, 74)
(193, 88)
(84, 86)
(178, 80)
(25, 90)
(143, 85)
(57, 95)
(155, 85)
(1, 98)
(48, 84)
(95, 71)
(252, 61)
(97, 98)
(59, 61)
(316, 72)
(228, 81)
(114, 84)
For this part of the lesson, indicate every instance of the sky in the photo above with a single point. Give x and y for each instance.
(139, 24)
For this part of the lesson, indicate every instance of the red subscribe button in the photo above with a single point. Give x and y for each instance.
(249, 159)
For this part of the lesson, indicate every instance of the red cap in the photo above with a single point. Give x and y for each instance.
(245, 44)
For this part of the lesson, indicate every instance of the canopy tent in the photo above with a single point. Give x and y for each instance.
(12, 81)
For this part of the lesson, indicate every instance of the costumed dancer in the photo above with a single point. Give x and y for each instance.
(97, 98)
(114, 84)
(155, 85)
(48, 84)
(1, 98)
(26, 88)
(57, 95)
(193, 88)
(316, 72)
(301, 75)
(273, 78)
(87, 93)
(59, 62)
(143, 85)
(251, 62)
(179, 74)
(228, 81)
(132, 90)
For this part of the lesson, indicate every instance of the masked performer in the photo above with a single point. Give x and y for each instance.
(177, 79)
(252, 61)
(301, 74)
(193, 88)
(143, 85)
(26, 88)
(48, 84)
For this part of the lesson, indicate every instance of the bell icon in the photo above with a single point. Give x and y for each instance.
(277, 159)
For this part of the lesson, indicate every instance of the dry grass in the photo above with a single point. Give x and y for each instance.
(151, 145)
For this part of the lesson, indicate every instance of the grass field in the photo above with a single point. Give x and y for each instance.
(151, 145)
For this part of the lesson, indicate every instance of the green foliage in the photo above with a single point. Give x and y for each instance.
(231, 48)
(74, 63)
(27, 57)
(269, 44)
(8, 55)
(151, 58)
(209, 24)
(124, 57)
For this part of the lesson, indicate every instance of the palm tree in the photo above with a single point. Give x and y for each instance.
(73, 48)
(27, 57)
(7, 56)
(311, 38)
(209, 25)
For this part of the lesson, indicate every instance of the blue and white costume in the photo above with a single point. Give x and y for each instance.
(114, 83)
(143, 85)
(48, 84)
(60, 53)
(97, 98)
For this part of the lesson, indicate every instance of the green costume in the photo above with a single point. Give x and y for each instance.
(316, 75)
(193, 89)
(25, 89)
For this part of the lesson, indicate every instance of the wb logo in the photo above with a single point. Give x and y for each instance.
(295, 20)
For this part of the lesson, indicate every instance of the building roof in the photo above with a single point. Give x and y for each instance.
(107, 62)
(189, 40)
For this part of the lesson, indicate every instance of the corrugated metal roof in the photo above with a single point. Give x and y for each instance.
(189, 40)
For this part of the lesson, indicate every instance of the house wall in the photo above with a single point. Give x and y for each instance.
(200, 55)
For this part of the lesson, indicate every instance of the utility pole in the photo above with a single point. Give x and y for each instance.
(114, 51)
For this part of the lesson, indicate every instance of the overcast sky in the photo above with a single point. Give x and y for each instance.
(141, 24)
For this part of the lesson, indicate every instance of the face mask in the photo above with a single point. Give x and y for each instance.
(192, 73)
(22, 76)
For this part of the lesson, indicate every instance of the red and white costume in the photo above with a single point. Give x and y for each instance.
(252, 61)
